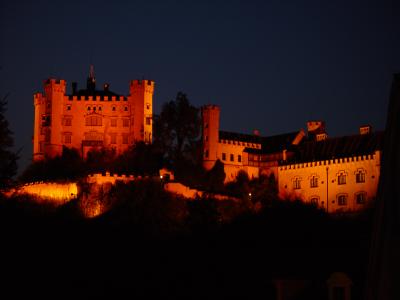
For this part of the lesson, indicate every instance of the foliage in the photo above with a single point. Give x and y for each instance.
(214, 179)
(177, 131)
(8, 159)
(141, 159)
(100, 160)
(68, 166)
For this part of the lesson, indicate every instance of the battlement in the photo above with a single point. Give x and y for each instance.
(210, 107)
(96, 98)
(351, 159)
(101, 178)
(53, 81)
(141, 82)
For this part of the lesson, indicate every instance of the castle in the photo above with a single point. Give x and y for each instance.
(91, 118)
(336, 174)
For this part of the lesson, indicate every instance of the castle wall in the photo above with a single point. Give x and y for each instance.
(328, 189)
(86, 122)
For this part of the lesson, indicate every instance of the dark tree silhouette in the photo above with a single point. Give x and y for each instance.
(8, 159)
(177, 130)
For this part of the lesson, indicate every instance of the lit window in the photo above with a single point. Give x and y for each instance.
(361, 198)
(67, 121)
(342, 178)
(93, 121)
(113, 122)
(239, 158)
(314, 182)
(360, 176)
(125, 122)
(113, 139)
(223, 156)
(67, 138)
(232, 157)
(125, 139)
(297, 183)
(342, 200)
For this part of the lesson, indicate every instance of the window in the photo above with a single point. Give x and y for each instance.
(232, 157)
(100, 108)
(360, 176)
(148, 121)
(94, 108)
(125, 122)
(114, 122)
(239, 158)
(314, 200)
(88, 108)
(126, 108)
(93, 120)
(147, 106)
(361, 198)
(223, 156)
(68, 107)
(113, 138)
(67, 138)
(93, 136)
(67, 121)
(125, 138)
(342, 178)
(113, 108)
(342, 200)
(314, 182)
(206, 154)
(297, 183)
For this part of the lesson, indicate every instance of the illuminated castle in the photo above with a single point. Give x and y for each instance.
(91, 118)
(337, 174)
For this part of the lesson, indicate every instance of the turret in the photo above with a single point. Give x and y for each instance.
(54, 94)
(141, 94)
(210, 117)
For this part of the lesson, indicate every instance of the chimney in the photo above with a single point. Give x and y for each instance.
(74, 88)
(106, 87)
(365, 129)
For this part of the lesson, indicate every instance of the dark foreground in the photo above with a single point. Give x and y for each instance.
(56, 256)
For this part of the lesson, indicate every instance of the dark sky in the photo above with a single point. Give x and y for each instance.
(270, 65)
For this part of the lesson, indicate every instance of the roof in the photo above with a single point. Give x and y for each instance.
(247, 138)
(90, 92)
(338, 147)
(269, 144)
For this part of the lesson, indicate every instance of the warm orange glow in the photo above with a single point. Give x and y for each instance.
(57, 193)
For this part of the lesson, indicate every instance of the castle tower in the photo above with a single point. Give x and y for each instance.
(141, 94)
(47, 125)
(210, 117)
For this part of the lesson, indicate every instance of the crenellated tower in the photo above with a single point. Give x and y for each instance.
(210, 117)
(141, 95)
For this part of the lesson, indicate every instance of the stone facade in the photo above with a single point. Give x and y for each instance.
(91, 118)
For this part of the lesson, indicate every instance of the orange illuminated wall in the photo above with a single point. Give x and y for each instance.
(85, 122)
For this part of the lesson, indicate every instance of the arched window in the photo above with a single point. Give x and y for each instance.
(93, 120)
(360, 176)
(342, 199)
(361, 197)
(297, 183)
(341, 177)
(314, 200)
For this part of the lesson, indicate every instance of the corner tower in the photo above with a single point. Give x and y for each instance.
(141, 94)
(210, 118)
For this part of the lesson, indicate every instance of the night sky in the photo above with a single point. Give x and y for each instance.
(270, 65)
